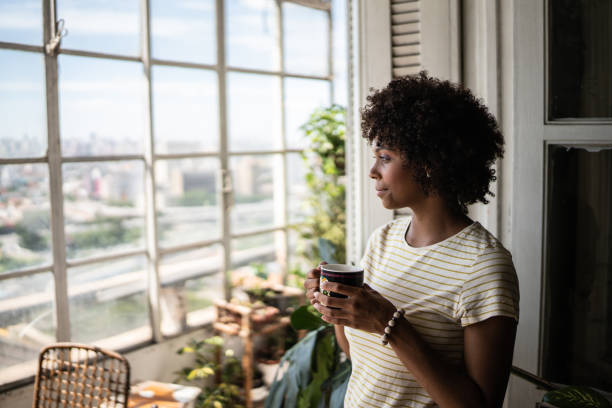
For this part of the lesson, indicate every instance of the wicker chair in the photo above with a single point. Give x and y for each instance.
(80, 376)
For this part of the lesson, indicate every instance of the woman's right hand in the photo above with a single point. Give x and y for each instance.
(311, 283)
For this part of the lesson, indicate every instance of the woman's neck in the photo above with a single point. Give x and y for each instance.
(434, 223)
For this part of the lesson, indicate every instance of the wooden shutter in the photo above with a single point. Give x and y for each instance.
(405, 37)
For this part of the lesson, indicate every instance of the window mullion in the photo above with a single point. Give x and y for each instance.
(55, 180)
(225, 191)
(284, 261)
(153, 280)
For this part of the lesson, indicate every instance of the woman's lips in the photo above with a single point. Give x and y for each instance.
(381, 193)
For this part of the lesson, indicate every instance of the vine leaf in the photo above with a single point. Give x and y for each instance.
(576, 397)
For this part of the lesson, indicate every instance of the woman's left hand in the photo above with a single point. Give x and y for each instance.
(364, 309)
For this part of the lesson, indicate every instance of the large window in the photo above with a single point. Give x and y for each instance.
(148, 158)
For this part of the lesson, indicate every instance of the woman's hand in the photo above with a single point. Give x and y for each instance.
(364, 309)
(311, 283)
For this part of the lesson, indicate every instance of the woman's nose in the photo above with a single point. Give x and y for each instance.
(373, 172)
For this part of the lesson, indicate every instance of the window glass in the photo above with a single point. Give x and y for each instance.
(257, 258)
(339, 51)
(102, 106)
(23, 116)
(299, 265)
(577, 338)
(255, 180)
(580, 59)
(187, 208)
(191, 281)
(302, 97)
(253, 112)
(108, 305)
(306, 42)
(252, 34)
(103, 207)
(21, 22)
(298, 191)
(25, 233)
(184, 30)
(108, 26)
(185, 110)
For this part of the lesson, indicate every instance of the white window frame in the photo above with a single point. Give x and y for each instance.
(152, 250)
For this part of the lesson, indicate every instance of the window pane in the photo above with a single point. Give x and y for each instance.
(104, 207)
(23, 115)
(303, 96)
(109, 26)
(255, 180)
(191, 281)
(257, 257)
(21, 21)
(102, 106)
(254, 112)
(27, 323)
(299, 265)
(339, 51)
(298, 191)
(108, 305)
(580, 56)
(185, 110)
(187, 209)
(252, 34)
(25, 234)
(306, 43)
(577, 341)
(184, 30)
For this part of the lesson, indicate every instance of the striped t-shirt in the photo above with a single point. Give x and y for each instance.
(444, 287)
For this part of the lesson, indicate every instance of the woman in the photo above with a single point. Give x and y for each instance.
(440, 285)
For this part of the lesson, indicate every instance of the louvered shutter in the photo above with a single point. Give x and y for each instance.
(405, 37)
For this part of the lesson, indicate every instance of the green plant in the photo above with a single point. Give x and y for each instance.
(564, 396)
(325, 227)
(315, 377)
(224, 369)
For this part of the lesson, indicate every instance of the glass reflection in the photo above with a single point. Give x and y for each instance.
(185, 110)
(23, 115)
(306, 42)
(255, 181)
(108, 26)
(104, 207)
(580, 56)
(108, 300)
(254, 112)
(191, 282)
(302, 98)
(187, 201)
(298, 191)
(252, 34)
(25, 232)
(184, 30)
(27, 323)
(102, 106)
(21, 21)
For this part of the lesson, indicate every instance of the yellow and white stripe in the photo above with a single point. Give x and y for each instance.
(444, 287)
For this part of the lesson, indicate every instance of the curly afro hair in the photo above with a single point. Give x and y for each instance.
(444, 134)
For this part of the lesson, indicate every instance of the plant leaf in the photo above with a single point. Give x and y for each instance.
(306, 318)
(576, 397)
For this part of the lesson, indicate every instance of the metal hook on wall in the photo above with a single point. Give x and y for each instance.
(60, 32)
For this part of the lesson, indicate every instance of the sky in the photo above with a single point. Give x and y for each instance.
(107, 97)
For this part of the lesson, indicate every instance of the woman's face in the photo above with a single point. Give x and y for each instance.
(395, 185)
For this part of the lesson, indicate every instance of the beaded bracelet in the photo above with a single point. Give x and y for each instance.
(385, 337)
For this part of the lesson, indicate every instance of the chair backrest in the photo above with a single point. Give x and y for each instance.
(81, 376)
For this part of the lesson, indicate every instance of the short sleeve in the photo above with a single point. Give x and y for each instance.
(492, 288)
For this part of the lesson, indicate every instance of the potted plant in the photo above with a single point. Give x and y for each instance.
(218, 374)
